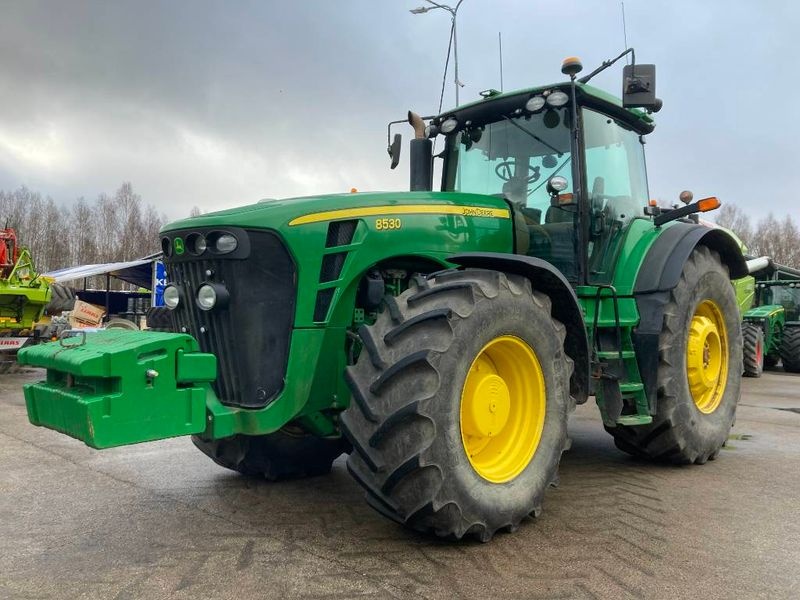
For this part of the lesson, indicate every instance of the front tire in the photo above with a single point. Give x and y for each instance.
(460, 403)
(286, 454)
(752, 350)
(699, 372)
(790, 349)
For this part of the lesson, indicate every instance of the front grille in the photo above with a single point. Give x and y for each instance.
(250, 337)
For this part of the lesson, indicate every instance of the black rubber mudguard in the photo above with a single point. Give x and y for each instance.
(660, 273)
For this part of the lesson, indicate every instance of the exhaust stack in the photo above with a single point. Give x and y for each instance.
(421, 156)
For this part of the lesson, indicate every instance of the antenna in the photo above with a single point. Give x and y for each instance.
(624, 29)
(500, 46)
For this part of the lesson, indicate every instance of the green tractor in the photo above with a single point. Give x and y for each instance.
(771, 328)
(441, 338)
(24, 294)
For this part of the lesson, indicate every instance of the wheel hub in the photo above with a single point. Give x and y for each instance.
(503, 404)
(487, 413)
(707, 357)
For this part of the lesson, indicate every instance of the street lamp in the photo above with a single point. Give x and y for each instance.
(453, 11)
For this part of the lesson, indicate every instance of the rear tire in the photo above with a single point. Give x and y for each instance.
(285, 454)
(159, 318)
(120, 323)
(419, 388)
(62, 299)
(691, 427)
(790, 349)
(752, 350)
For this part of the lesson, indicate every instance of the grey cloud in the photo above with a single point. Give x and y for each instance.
(220, 103)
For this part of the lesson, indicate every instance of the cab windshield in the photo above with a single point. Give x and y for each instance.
(514, 158)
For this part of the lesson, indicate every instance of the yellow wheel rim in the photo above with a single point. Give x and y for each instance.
(503, 405)
(707, 357)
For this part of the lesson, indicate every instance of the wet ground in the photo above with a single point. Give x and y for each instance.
(160, 520)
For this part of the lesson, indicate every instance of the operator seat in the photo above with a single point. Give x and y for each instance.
(529, 236)
(559, 223)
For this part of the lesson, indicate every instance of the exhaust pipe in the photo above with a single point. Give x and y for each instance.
(421, 156)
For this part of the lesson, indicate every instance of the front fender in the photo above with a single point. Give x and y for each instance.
(545, 278)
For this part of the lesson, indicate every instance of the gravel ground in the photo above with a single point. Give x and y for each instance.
(160, 520)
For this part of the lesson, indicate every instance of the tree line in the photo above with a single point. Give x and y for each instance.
(114, 227)
(778, 239)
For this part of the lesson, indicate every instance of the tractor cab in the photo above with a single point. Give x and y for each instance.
(521, 148)
(568, 158)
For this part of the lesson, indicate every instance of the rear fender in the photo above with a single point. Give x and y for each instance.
(659, 274)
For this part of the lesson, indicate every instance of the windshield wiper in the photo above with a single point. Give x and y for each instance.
(533, 135)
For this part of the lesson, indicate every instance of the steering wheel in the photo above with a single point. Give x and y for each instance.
(505, 171)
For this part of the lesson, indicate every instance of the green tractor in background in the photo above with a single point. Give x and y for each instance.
(771, 327)
(24, 294)
(440, 337)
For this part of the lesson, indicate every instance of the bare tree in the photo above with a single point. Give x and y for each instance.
(735, 219)
(113, 228)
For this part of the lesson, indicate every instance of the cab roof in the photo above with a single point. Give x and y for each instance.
(486, 109)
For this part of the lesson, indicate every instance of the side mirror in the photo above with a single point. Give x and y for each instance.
(394, 150)
(639, 87)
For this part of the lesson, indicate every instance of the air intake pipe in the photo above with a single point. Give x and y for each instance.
(420, 156)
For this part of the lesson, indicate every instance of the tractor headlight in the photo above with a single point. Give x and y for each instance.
(535, 104)
(197, 243)
(172, 297)
(212, 295)
(166, 246)
(557, 98)
(225, 243)
(449, 125)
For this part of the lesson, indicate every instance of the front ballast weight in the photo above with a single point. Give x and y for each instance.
(116, 387)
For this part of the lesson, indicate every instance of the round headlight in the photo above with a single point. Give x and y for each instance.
(535, 103)
(431, 131)
(212, 295)
(557, 183)
(206, 297)
(449, 125)
(172, 297)
(196, 243)
(225, 243)
(557, 98)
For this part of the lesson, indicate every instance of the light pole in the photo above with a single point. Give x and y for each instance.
(453, 12)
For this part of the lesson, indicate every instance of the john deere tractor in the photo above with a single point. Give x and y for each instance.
(440, 337)
(771, 328)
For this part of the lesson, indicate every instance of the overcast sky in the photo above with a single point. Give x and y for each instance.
(218, 104)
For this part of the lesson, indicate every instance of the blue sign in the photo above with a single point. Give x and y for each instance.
(159, 283)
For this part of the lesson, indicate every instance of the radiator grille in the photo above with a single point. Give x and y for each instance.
(250, 337)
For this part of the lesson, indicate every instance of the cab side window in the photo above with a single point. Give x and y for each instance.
(616, 179)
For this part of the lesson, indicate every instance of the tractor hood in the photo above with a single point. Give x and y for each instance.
(290, 212)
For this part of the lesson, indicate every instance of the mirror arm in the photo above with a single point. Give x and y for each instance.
(389, 134)
(608, 63)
